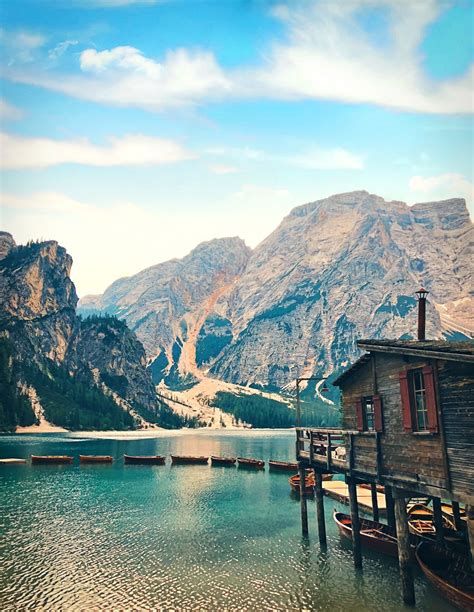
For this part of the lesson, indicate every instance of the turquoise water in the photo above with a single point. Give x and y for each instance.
(195, 537)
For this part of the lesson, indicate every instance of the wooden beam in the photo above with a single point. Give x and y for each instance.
(389, 504)
(303, 504)
(417, 352)
(356, 544)
(458, 522)
(318, 489)
(438, 520)
(375, 505)
(404, 552)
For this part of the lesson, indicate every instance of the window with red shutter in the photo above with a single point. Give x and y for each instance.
(360, 416)
(406, 405)
(378, 416)
(430, 396)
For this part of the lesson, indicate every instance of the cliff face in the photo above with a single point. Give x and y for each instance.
(167, 304)
(334, 270)
(343, 268)
(52, 347)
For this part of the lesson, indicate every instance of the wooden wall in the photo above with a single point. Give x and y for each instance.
(456, 390)
(406, 456)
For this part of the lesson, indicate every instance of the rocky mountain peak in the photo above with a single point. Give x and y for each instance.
(7, 243)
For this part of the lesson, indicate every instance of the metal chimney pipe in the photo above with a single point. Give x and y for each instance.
(422, 293)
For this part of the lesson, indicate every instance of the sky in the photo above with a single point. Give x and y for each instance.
(132, 130)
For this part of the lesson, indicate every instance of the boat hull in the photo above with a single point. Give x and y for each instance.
(252, 464)
(223, 461)
(181, 459)
(434, 560)
(37, 459)
(373, 535)
(283, 466)
(144, 459)
(95, 459)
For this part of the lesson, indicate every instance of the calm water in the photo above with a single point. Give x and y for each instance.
(195, 537)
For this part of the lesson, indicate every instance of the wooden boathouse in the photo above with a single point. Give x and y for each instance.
(407, 424)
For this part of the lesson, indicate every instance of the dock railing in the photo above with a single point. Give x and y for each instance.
(339, 450)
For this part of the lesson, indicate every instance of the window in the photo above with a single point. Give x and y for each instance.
(368, 410)
(369, 413)
(417, 390)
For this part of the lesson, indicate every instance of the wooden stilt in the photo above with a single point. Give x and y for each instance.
(458, 523)
(303, 504)
(356, 545)
(438, 520)
(375, 505)
(389, 506)
(470, 531)
(318, 489)
(404, 552)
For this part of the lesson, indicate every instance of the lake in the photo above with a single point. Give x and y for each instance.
(75, 537)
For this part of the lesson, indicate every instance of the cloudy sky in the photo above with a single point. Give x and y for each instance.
(134, 129)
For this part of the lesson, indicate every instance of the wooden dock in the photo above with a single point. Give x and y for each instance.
(337, 489)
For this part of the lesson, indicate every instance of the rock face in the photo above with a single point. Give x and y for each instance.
(334, 270)
(167, 304)
(38, 317)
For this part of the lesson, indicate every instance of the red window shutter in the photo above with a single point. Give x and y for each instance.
(430, 396)
(360, 416)
(378, 416)
(405, 395)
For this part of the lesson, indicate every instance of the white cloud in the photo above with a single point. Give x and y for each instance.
(21, 46)
(449, 185)
(130, 150)
(8, 112)
(61, 48)
(223, 169)
(327, 54)
(317, 158)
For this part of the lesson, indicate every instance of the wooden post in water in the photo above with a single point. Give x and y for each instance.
(375, 503)
(458, 523)
(438, 520)
(404, 552)
(318, 489)
(356, 545)
(389, 506)
(303, 504)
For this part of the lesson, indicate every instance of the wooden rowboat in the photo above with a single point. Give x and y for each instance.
(283, 466)
(51, 459)
(255, 464)
(447, 511)
(95, 458)
(373, 535)
(309, 482)
(421, 521)
(145, 459)
(366, 485)
(188, 459)
(449, 572)
(223, 461)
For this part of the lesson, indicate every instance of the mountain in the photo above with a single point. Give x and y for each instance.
(167, 304)
(54, 365)
(335, 270)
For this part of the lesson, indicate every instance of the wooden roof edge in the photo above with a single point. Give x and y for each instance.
(350, 370)
(412, 350)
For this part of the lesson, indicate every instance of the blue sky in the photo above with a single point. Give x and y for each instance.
(133, 130)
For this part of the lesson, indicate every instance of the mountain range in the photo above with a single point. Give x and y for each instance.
(334, 270)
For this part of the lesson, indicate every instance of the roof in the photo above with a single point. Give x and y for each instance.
(434, 349)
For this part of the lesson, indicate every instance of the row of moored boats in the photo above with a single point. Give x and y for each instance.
(257, 464)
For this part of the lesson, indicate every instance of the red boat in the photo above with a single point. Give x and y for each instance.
(181, 459)
(283, 466)
(95, 459)
(51, 459)
(374, 535)
(255, 464)
(145, 459)
(449, 572)
(223, 461)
